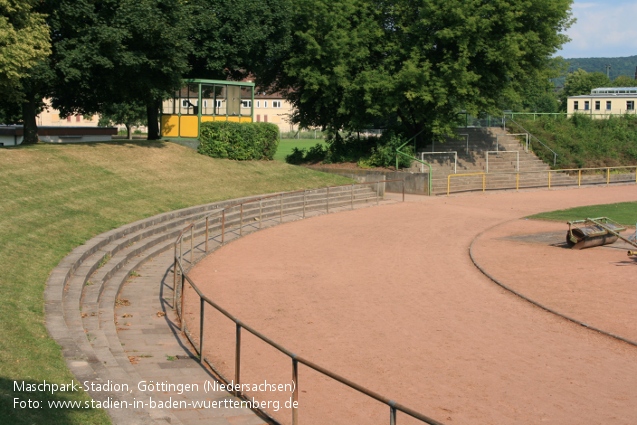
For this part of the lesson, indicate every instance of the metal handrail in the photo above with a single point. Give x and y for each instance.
(178, 268)
(533, 137)
(606, 170)
(517, 158)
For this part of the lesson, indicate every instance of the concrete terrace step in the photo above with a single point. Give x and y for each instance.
(88, 316)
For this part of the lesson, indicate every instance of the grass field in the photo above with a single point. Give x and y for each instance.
(623, 213)
(286, 146)
(56, 197)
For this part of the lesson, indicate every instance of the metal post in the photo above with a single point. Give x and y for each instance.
(181, 310)
(223, 225)
(549, 179)
(175, 281)
(241, 221)
(327, 199)
(237, 361)
(377, 191)
(192, 241)
(260, 212)
(579, 178)
(295, 394)
(351, 199)
(304, 201)
(517, 180)
(607, 176)
(392, 415)
(281, 208)
(201, 321)
(207, 228)
(484, 182)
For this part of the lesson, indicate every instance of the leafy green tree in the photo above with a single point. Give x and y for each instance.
(411, 64)
(237, 38)
(103, 53)
(24, 42)
(581, 82)
(624, 81)
(128, 114)
(118, 52)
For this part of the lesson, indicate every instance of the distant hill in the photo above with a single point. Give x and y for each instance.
(618, 66)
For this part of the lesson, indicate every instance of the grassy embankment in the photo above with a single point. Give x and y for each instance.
(623, 213)
(582, 142)
(56, 197)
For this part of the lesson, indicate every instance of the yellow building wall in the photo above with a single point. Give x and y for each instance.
(618, 105)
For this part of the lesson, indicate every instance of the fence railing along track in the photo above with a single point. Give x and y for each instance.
(252, 213)
(545, 178)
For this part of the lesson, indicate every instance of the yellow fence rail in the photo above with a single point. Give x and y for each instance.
(585, 176)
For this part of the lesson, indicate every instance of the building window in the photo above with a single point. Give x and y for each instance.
(246, 103)
(77, 118)
(68, 118)
(258, 103)
(265, 104)
(587, 105)
(258, 116)
(576, 105)
(630, 105)
(265, 117)
(276, 103)
(608, 105)
(598, 105)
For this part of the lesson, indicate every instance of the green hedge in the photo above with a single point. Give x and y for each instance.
(239, 141)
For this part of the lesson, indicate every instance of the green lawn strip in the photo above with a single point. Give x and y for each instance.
(624, 213)
(286, 146)
(56, 197)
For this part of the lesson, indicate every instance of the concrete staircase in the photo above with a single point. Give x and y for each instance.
(109, 303)
(502, 166)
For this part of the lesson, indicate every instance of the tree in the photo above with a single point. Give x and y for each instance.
(414, 64)
(624, 81)
(103, 53)
(581, 82)
(24, 42)
(238, 38)
(118, 52)
(127, 114)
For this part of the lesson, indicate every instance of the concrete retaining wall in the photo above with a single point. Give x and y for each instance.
(415, 183)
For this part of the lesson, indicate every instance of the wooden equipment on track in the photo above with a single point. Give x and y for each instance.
(595, 232)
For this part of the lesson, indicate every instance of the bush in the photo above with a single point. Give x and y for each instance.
(239, 141)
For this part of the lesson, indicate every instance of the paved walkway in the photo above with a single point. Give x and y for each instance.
(149, 333)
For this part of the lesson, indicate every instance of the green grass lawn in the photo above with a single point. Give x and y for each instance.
(286, 146)
(624, 213)
(56, 197)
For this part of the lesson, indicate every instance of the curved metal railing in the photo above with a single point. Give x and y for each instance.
(272, 207)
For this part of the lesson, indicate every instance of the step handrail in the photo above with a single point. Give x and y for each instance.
(533, 137)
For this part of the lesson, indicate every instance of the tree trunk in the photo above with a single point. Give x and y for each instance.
(128, 128)
(152, 112)
(29, 113)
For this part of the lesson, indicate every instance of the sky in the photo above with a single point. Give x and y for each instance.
(604, 28)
